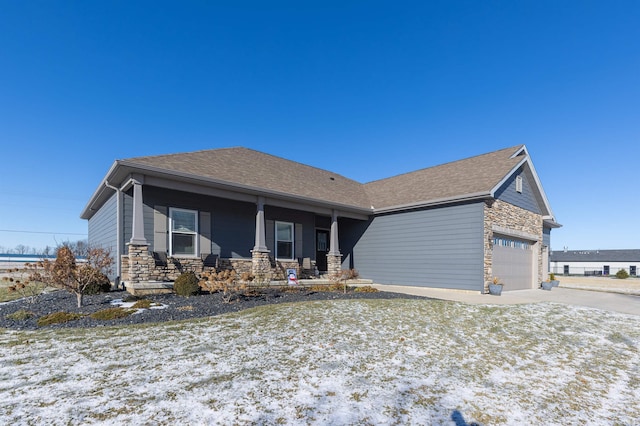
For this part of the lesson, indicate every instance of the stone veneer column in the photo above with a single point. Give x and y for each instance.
(518, 221)
(334, 264)
(260, 263)
(139, 259)
(334, 257)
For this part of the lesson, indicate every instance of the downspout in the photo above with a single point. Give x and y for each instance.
(118, 231)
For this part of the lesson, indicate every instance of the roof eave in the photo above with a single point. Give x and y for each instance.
(550, 222)
(129, 168)
(89, 210)
(435, 202)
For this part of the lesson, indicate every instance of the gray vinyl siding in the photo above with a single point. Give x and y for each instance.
(526, 200)
(103, 228)
(306, 220)
(231, 223)
(440, 247)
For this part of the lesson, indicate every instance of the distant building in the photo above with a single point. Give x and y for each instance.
(594, 262)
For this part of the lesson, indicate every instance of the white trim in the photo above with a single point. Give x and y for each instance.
(293, 240)
(196, 233)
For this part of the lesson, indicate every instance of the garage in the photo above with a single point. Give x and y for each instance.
(513, 262)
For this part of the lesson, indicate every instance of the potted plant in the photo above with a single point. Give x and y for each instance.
(553, 281)
(546, 285)
(495, 287)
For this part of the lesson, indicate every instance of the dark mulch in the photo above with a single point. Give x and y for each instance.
(177, 307)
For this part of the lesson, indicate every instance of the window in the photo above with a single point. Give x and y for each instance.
(632, 270)
(519, 184)
(605, 270)
(566, 270)
(284, 240)
(183, 229)
(508, 242)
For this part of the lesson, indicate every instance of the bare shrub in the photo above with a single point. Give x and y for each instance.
(342, 277)
(227, 281)
(66, 274)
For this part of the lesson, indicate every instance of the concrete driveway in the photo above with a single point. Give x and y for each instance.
(623, 303)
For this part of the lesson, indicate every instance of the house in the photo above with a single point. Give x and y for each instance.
(455, 226)
(595, 262)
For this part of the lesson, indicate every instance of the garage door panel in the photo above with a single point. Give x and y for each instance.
(513, 264)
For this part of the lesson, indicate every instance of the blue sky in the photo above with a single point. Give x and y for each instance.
(368, 89)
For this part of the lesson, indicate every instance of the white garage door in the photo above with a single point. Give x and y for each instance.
(513, 263)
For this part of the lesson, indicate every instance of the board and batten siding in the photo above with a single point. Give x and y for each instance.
(525, 200)
(103, 228)
(440, 247)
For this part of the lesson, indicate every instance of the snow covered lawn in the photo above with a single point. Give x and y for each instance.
(340, 362)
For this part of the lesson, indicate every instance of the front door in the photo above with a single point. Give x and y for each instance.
(322, 247)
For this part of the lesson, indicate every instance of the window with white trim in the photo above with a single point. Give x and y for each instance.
(183, 232)
(284, 240)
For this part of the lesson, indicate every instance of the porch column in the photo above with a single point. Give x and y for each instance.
(138, 246)
(137, 229)
(334, 258)
(334, 244)
(260, 243)
(260, 263)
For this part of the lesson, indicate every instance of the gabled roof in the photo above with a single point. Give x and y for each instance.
(471, 178)
(631, 255)
(248, 171)
(253, 169)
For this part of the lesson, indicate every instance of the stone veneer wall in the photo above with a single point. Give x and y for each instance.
(516, 219)
(175, 267)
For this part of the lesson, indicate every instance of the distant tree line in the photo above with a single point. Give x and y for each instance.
(79, 248)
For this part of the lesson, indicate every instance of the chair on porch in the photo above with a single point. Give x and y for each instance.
(306, 269)
(210, 261)
(161, 263)
(160, 258)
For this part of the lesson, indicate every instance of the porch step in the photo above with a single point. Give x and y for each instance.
(149, 287)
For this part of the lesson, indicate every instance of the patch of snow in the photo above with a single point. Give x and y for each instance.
(342, 362)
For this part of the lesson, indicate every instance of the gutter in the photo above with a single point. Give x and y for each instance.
(118, 230)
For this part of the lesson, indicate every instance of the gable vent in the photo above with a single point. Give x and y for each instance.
(519, 184)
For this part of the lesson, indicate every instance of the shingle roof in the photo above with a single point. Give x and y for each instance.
(631, 255)
(258, 170)
(473, 175)
(253, 171)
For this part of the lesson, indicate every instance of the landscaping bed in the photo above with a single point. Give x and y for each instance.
(22, 314)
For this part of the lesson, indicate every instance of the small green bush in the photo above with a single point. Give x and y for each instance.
(100, 285)
(111, 314)
(57, 318)
(186, 284)
(20, 315)
(622, 274)
(142, 304)
(366, 289)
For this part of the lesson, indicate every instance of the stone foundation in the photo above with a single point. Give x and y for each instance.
(138, 263)
(145, 270)
(260, 264)
(334, 264)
